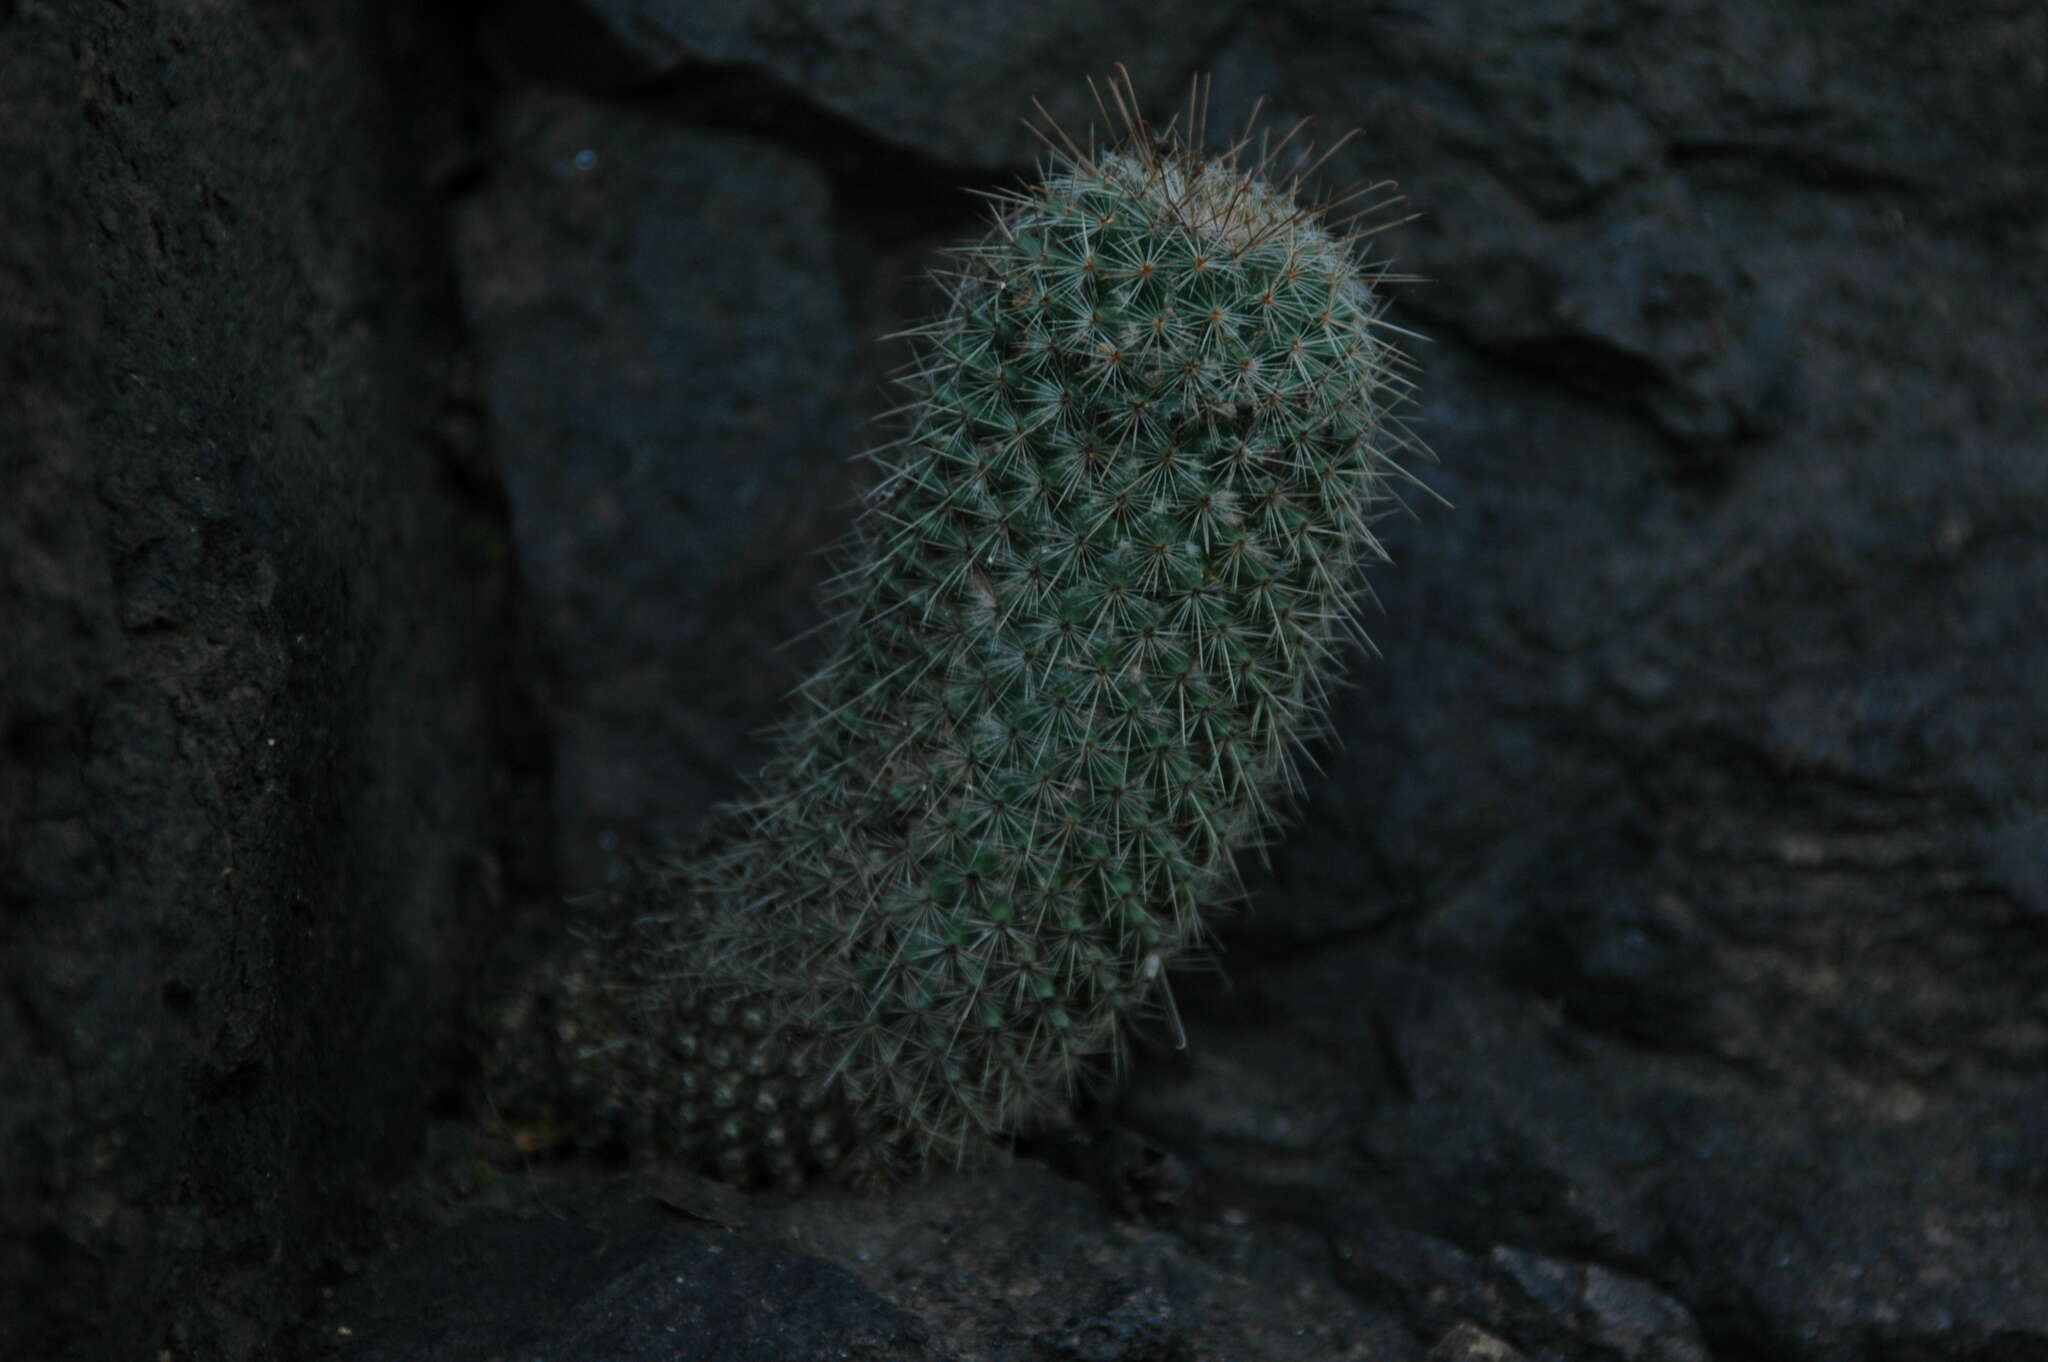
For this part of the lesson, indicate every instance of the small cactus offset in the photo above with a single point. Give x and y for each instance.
(1096, 600)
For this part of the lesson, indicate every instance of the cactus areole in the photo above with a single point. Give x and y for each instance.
(1094, 604)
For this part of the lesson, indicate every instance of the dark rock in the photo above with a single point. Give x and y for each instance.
(1791, 1221)
(1602, 186)
(1018, 1264)
(1730, 751)
(1510, 1303)
(1131, 1326)
(666, 361)
(1469, 1343)
(249, 632)
(523, 1290)
(953, 84)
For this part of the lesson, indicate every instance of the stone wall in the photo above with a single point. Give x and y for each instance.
(252, 604)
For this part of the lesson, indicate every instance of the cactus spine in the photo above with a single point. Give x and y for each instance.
(1097, 596)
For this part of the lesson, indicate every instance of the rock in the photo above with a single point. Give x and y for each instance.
(1515, 1304)
(255, 670)
(1469, 1343)
(952, 84)
(1724, 744)
(524, 1290)
(1499, 1163)
(1023, 1263)
(666, 362)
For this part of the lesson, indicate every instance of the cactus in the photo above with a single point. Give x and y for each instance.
(1096, 598)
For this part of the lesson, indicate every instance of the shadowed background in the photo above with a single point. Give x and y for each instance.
(419, 434)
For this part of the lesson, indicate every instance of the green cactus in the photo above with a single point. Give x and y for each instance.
(1097, 596)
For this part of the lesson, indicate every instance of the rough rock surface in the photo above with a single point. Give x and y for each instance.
(250, 614)
(666, 358)
(501, 1288)
(1658, 970)
(945, 83)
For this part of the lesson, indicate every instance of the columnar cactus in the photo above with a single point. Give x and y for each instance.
(1098, 593)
